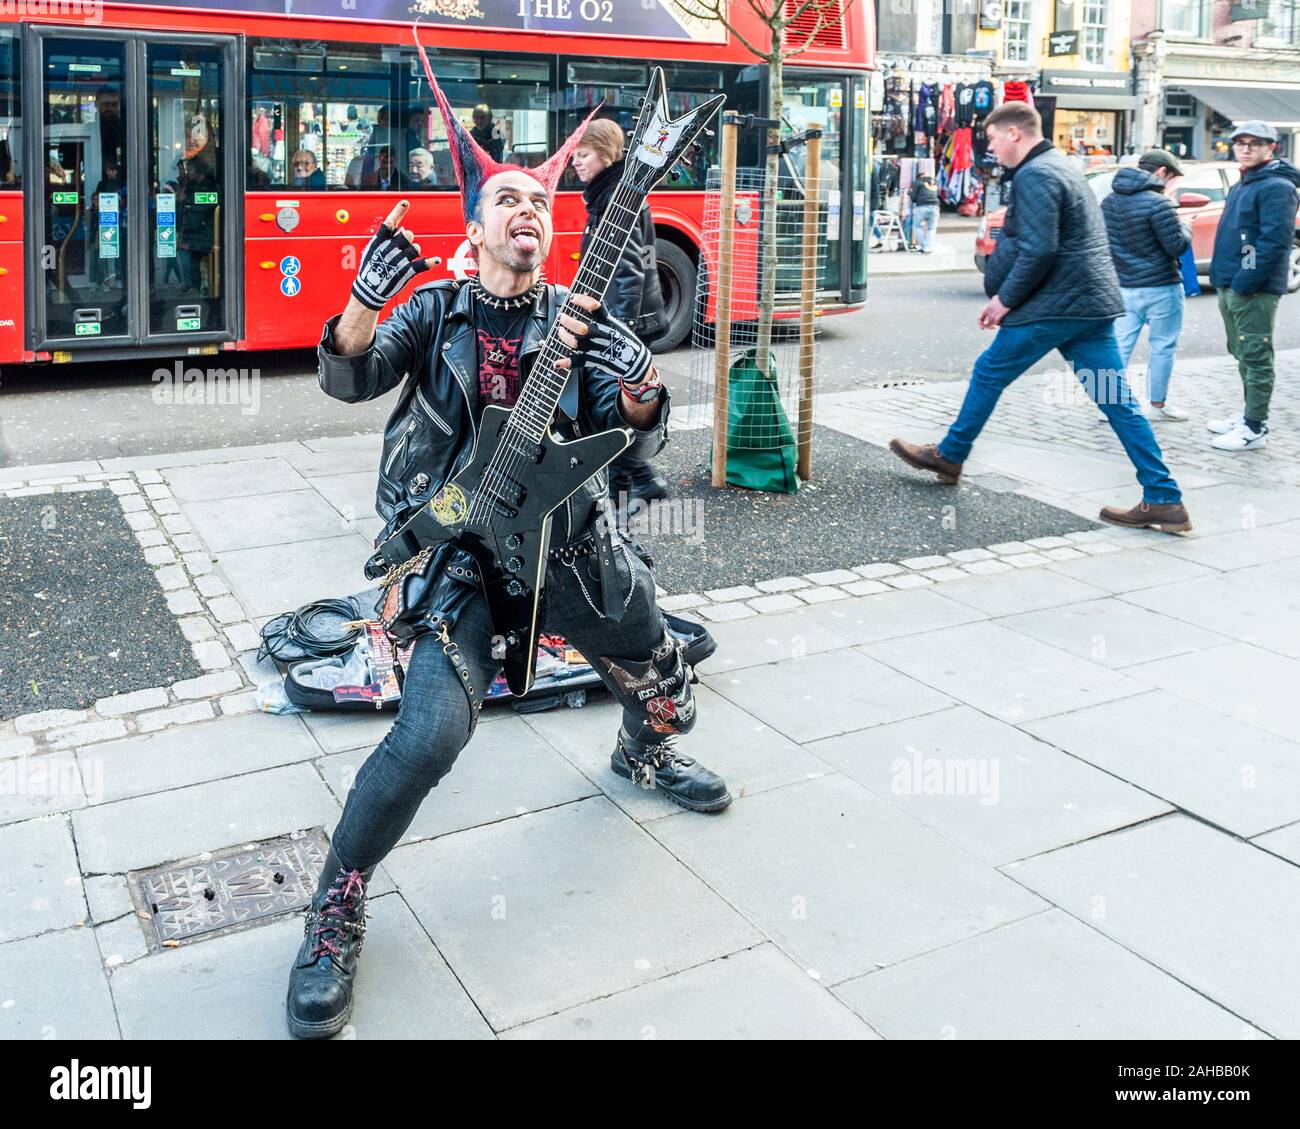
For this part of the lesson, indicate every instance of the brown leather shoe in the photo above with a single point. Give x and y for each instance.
(926, 458)
(1168, 517)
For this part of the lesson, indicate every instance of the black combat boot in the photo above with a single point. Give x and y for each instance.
(319, 1003)
(660, 765)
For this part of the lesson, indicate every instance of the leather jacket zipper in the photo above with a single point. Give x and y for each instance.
(443, 425)
(401, 446)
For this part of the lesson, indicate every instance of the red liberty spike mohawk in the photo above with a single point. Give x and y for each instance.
(473, 166)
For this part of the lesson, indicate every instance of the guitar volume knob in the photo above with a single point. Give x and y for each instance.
(514, 541)
(514, 564)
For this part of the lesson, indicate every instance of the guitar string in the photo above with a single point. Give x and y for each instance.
(519, 427)
(549, 385)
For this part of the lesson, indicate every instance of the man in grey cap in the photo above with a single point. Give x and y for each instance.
(1146, 243)
(1251, 269)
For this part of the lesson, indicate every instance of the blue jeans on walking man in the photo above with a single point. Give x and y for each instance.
(925, 225)
(1090, 347)
(1161, 308)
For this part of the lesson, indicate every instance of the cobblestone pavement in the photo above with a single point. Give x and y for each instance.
(1052, 408)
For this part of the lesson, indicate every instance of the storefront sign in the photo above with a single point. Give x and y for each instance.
(991, 15)
(1086, 82)
(646, 19)
(1249, 10)
(1063, 43)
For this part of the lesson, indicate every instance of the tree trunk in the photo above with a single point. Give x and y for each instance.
(767, 248)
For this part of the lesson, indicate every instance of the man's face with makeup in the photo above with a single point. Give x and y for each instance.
(514, 227)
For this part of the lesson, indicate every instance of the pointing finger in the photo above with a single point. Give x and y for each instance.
(395, 216)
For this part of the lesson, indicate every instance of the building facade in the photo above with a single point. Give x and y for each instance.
(1203, 65)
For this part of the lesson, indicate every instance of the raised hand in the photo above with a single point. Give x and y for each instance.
(389, 262)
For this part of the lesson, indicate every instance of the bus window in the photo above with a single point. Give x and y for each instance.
(504, 103)
(588, 82)
(11, 132)
(318, 117)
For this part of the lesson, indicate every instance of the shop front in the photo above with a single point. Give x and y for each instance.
(1091, 110)
(1215, 93)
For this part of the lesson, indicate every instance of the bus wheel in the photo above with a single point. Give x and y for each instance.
(677, 277)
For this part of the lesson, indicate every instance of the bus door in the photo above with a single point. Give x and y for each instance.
(134, 188)
(838, 105)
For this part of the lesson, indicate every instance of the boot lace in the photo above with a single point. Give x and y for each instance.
(338, 914)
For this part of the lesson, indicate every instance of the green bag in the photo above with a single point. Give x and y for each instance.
(761, 448)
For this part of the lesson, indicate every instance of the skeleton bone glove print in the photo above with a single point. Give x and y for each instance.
(610, 346)
(388, 263)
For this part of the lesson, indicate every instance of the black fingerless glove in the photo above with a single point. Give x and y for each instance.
(612, 347)
(388, 264)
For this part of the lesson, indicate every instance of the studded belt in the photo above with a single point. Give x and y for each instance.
(567, 554)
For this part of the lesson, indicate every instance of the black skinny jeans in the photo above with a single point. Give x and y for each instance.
(434, 720)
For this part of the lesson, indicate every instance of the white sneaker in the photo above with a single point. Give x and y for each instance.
(1241, 439)
(1168, 412)
(1223, 426)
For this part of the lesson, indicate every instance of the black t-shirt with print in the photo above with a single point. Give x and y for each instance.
(500, 340)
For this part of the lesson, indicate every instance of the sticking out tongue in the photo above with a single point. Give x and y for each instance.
(525, 241)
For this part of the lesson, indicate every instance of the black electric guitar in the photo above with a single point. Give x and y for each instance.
(499, 507)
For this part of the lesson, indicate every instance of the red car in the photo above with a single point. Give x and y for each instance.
(1203, 187)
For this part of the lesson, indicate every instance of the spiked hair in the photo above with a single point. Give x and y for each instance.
(474, 167)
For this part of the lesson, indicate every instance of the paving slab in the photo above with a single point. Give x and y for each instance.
(823, 695)
(1285, 841)
(1113, 633)
(313, 464)
(55, 987)
(1214, 912)
(351, 493)
(1002, 672)
(1131, 570)
(756, 994)
(1233, 506)
(1245, 682)
(749, 755)
(1191, 756)
(42, 889)
(340, 731)
(192, 754)
(1250, 605)
(232, 478)
(505, 771)
(554, 909)
(279, 578)
(883, 616)
(840, 879)
(1045, 977)
(32, 786)
(770, 638)
(999, 793)
(147, 831)
(1226, 551)
(265, 519)
(1027, 590)
(233, 986)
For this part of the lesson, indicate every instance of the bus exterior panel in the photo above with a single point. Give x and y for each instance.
(300, 245)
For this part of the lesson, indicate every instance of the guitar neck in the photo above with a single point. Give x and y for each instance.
(540, 395)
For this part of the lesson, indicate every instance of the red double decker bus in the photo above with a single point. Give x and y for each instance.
(186, 179)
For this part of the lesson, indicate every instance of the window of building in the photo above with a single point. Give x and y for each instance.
(1281, 24)
(1179, 104)
(1094, 31)
(1183, 17)
(1017, 17)
(11, 127)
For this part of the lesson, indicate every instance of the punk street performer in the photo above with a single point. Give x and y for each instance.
(453, 348)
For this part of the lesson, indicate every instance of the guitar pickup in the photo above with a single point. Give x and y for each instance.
(499, 488)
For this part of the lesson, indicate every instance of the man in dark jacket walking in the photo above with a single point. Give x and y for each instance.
(1146, 243)
(1250, 269)
(1051, 285)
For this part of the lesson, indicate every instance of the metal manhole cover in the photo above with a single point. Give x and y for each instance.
(224, 890)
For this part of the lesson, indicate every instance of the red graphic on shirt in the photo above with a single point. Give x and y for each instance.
(498, 368)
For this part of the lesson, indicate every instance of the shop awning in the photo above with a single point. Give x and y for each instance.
(1279, 106)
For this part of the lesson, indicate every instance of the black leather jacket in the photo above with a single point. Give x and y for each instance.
(635, 295)
(429, 347)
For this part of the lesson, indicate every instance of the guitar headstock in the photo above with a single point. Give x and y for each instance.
(658, 140)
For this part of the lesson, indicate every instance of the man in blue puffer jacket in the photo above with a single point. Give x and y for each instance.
(1052, 286)
(1146, 243)
(1250, 269)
